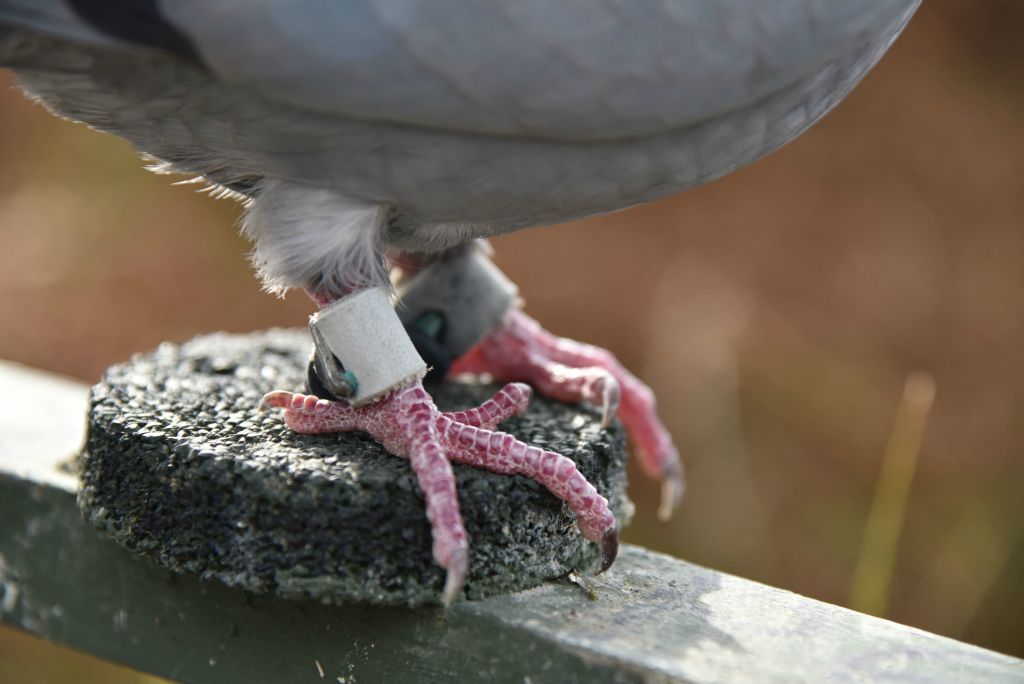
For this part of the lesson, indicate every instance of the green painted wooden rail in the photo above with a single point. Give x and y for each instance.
(652, 618)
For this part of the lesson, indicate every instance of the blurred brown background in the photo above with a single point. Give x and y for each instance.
(777, 314)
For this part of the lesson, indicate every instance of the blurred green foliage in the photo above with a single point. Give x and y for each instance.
(777, 314)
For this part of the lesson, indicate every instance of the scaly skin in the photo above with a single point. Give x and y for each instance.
(521, 350)
(407, 423)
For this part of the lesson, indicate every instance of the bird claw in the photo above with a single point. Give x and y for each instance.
(306, 403)
(610, 393)
(609, 549)
(455, 579)
(407, 423)
(572, 371)
(673, 486)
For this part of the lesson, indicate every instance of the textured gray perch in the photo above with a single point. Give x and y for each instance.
(655, 619)
(180, 466)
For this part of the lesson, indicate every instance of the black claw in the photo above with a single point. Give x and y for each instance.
(609, 549)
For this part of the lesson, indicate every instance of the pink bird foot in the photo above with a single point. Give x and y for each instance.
(407, 423)
(521, 350)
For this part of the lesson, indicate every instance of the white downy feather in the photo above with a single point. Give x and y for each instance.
(312, 237)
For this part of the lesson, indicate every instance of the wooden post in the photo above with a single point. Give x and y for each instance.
(651, 619)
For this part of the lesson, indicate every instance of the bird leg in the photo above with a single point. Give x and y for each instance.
(407, 423)
(521, 350)
(485, 332)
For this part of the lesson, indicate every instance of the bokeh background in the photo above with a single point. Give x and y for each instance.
(777, 313)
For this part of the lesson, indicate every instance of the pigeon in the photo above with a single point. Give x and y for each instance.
(377, 143)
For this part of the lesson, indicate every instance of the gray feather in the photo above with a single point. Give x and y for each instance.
(573, 69)
(52, 17)
(257, 118)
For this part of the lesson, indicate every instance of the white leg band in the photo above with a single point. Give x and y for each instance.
(468, 292)
(364, 332)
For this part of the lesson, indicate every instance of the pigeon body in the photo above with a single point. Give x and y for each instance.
(369, 129)
(417, 126)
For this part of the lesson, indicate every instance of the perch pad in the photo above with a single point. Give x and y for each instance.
(180, 466)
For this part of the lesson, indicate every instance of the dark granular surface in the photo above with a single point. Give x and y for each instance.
(181, 467)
